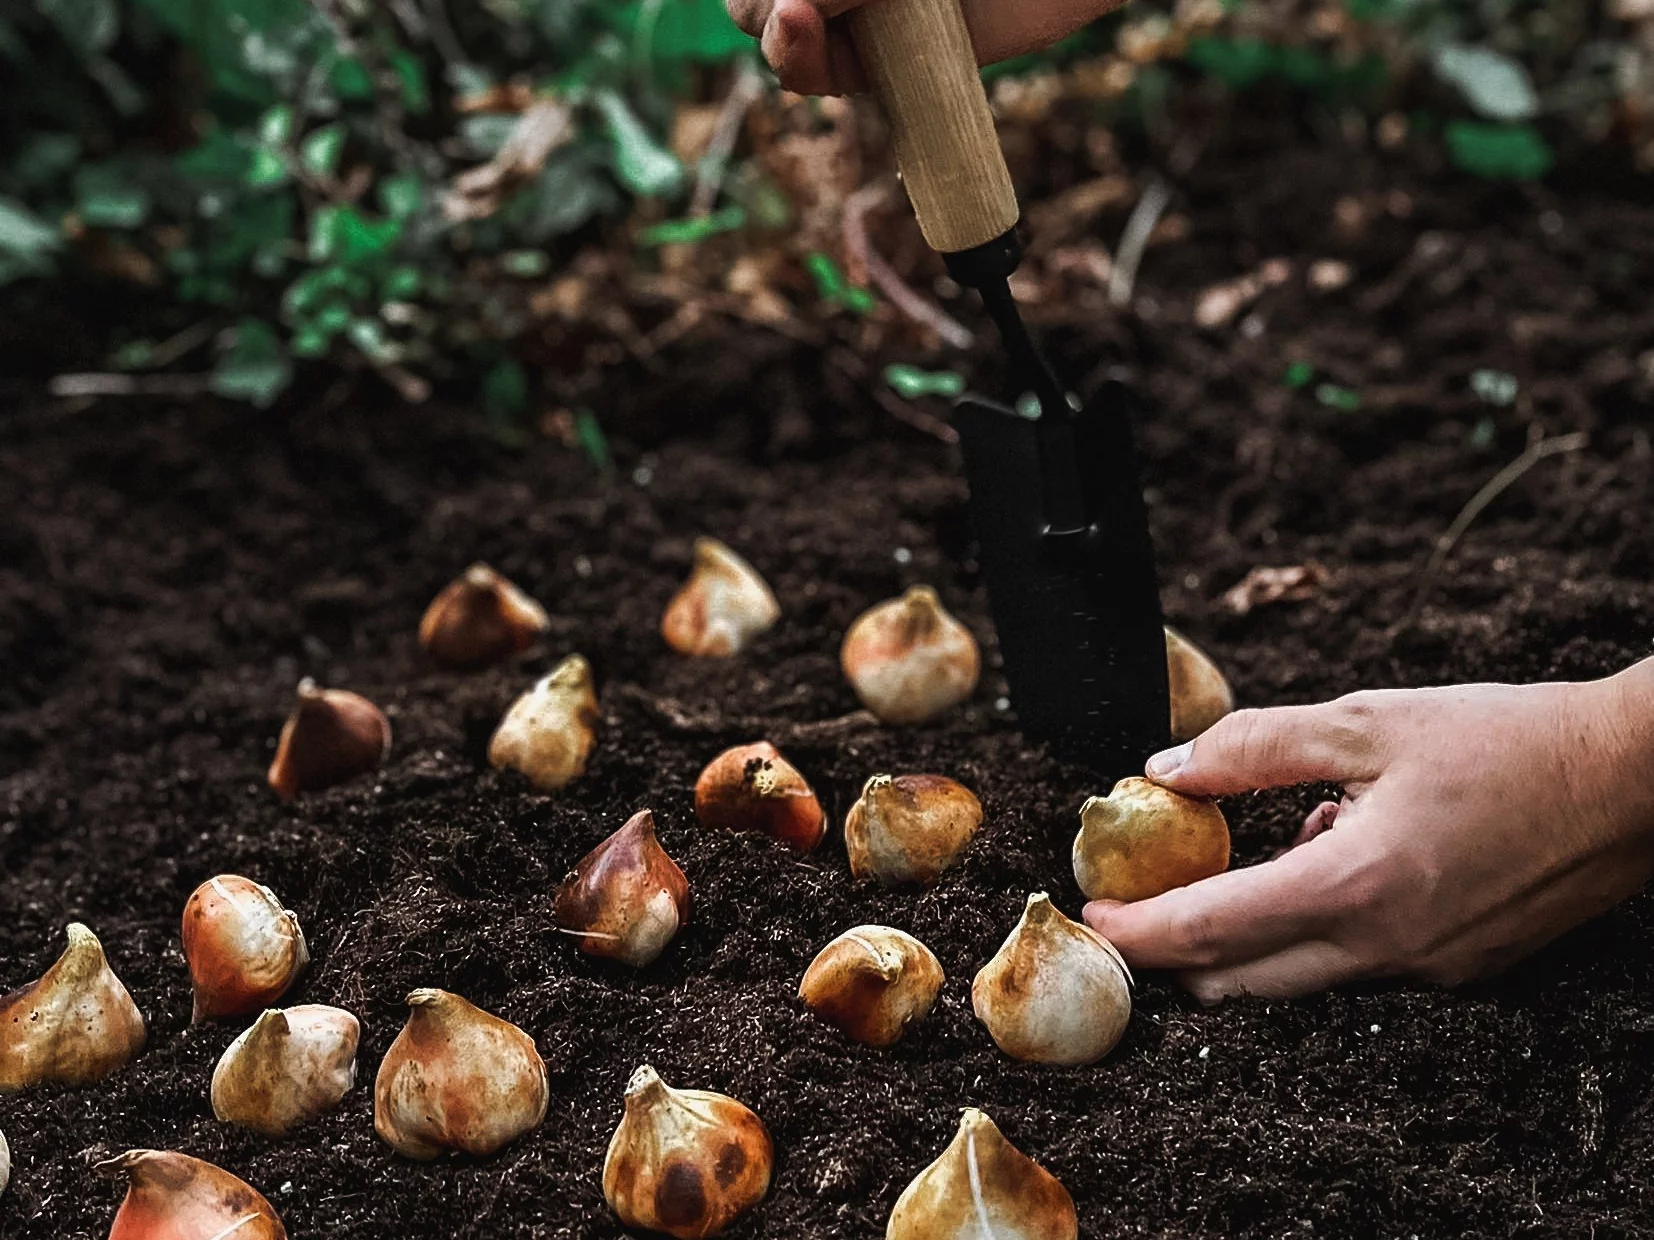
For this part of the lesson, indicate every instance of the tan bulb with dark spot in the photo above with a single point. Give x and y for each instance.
(909, 660)
(753, 788)
(243, 948)
(1142, 840)
(548, 733)
(75, 1025)
(332, 736)
(873, 983)
(480, 618)
(171, 1196)
(722, 607)
(626, 899)
(909, 828)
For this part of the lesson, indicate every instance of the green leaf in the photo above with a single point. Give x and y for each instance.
(525, 263)
(913, 383)
(410, 75)
(1340, 398)
(217, 157)
(42, 159)
(1499, 152)
(321, 148)
(350, 77)
(344, 234)
(106, 197)
(1495, 85)
(401, 195)
(643, 165)
(266, 169)
(588, 432)
(88, 26)
(694, 228)
(27, 242)
(835, 287)
(505, 390)
(275, 127)
(684, 30)
(486, 132)
(1496, 387)
(1298, 375)
(255, 368)
(400, 283)
(569, 191)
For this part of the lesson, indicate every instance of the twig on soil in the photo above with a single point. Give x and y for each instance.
(859, 249)
(709, 178)
(814, 732)
(128, 385)
(1157, 195)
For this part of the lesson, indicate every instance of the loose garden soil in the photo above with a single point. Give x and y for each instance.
(169, 571)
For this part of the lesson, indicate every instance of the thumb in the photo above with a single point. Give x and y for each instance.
(1273, 748)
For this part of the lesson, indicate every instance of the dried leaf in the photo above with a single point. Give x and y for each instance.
(1264, 584)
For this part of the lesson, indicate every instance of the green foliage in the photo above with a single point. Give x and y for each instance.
(913, 383)
(1499, 152)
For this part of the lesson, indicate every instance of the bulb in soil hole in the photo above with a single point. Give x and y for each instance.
(457, 1078)
(626, 898)
(171, 1196)
(723, 605)
(480, 618)
(753, 788)
(983, 1186)
(872, 983)
(289, 1068)
(1142, 840)
(549, 732)
(73, 1026)
(909, 828)
(1200, 694)
(686, 1162)
(909, 660)
(332, 736)
(1056, 992)
(243, 948)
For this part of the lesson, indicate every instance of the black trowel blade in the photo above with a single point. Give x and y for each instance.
(1078, 619)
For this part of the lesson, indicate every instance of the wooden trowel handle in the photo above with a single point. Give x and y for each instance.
(918, 56)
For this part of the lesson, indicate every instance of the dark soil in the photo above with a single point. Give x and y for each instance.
(167, 574)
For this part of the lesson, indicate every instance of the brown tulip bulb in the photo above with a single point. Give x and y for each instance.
(243, 948)
(1057, 992)
(289, 1068)
(723, 605)
(457, 1078)
(753, 788)
(171, 1196)
(332, 736)
(1142, 840)
(73, 1026)
(909, 660)
(549, 731)
(686, 1162)
(480, 618)
(1200, 694)
(626, 898)
(909, 828)
(872, 983)
(983, 1186)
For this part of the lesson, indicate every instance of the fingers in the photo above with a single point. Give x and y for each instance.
(1301, 969)
(749, 15)
(1225, 920)
(1252, 749)
(794, 41)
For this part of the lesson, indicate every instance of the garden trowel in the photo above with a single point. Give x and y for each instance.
(1056, 499)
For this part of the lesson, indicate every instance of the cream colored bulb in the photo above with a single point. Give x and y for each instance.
(289, 1068)
(909, 660)
(1200, 694)
(983, 1188)
(909, 828)
(480, 618)
(5, 1164)
(686, 1162)
(873, 983)
(1056, 992)
(73, 1026)
(722, 607)
(549, 731)
(457, 1078)
(171, 1196)
(243, 948)
(1142, 840)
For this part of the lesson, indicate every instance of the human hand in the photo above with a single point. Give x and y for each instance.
(812, 54)
(1478, 823)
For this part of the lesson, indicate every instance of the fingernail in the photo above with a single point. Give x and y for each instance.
(1097, 910)
(1168, 761)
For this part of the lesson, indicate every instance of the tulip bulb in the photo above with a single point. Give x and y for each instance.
(73, 1026)
(480, 618)
(723, 605)
(289, 1068)
(1141, 840)
(1056, 992)
(549, 731)
(909, 660)
(983, 1187)
(1200, 694)
(872, 983)
(457, 1078)
(626, 898)
(909, 828)
(243, 948)
(753, 788)
(684, 1161)
(332, 736)
(171, 1196)
(5, 1163)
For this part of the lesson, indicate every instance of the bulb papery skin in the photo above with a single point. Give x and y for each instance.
(872, 983)
(480, 618)
(1200, 694)
(909, 828)
(753, 788)
(722, 607)
(686, 1162)
(626, 899)
(171, 1196)
(289, 1068)
(1057, 992)
(983, 1187)
(909, 660)
(1143, 840)
(457, 1078)
(548, 733)
(333, 735)
(75, 1025)
(244, 949)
